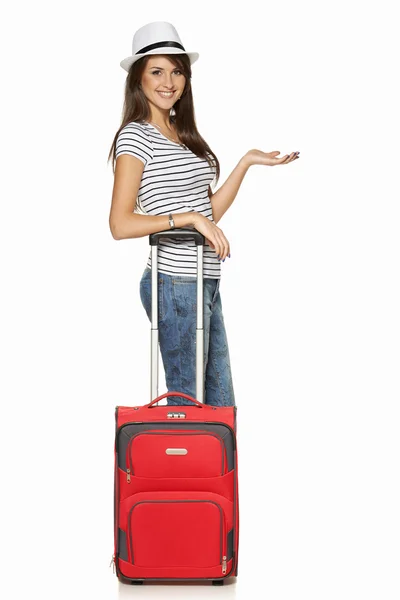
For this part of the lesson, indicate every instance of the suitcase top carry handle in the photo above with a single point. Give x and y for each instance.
(180, 233)
(181, 394)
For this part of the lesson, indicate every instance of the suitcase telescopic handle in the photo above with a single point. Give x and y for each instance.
(180, 233)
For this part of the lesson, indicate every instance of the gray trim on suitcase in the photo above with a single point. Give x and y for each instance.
(229, 550)
(127, 431)
(122, 545)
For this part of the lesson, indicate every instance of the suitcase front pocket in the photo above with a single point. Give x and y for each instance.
(177, 533)
(175, 454)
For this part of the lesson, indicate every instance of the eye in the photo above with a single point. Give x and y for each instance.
(158, 71)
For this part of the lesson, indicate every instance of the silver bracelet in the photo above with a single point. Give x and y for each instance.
(171, 221)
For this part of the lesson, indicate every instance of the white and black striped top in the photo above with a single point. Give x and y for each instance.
(174, 180)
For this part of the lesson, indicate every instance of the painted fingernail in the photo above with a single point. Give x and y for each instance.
(229, 255)
(223, 260)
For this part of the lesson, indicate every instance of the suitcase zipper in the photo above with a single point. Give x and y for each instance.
(222, 530)
(224, 545)
(223, 565)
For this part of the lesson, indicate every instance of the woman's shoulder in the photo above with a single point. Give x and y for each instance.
(137, 129)
(135, 126)
(134, 139)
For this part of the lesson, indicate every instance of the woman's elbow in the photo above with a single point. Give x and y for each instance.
(115, 228)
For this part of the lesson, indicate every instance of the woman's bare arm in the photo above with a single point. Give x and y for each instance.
(222, 199)
(124, 223)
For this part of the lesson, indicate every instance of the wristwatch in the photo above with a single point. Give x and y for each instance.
(171, 221)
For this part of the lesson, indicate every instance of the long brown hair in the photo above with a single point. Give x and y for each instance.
(136, 108)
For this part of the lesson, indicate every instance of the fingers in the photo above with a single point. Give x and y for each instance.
(222, 247)
(293, 155)
(219, 242)
(215, 237)
(288, 158)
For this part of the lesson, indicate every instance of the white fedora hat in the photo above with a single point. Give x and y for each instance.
(158, 37)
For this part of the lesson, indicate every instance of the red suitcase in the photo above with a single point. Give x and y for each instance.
(176, 512)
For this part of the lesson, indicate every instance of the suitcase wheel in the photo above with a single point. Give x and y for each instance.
(218, 582)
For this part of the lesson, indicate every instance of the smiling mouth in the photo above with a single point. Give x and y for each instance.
(166, 94)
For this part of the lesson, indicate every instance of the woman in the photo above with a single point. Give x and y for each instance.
(162, 179)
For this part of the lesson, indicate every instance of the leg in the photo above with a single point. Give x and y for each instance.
(219, 385)
(177, 329)
(177, 334)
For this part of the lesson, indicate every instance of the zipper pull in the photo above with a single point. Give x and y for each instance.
(113, 563)
(128, 475)
(223, 565)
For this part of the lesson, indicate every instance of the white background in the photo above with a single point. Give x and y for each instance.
(311, 293)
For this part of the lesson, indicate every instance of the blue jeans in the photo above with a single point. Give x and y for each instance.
(177, 296)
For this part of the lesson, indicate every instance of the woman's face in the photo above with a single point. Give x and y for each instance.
(161, 75)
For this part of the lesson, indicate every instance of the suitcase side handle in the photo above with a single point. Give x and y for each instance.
(181, 394)
(180, 233)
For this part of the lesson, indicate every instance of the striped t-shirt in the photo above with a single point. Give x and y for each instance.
(174, 180)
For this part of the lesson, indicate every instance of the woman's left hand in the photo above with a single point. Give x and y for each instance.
(257, 157)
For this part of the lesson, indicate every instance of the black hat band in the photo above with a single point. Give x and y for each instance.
(160, 45)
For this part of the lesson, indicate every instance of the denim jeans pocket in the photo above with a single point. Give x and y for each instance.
(183, 279)
(184, 292)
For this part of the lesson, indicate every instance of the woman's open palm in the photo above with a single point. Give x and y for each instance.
(257, 157)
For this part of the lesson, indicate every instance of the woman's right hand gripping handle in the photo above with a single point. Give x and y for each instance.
(213, 234)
